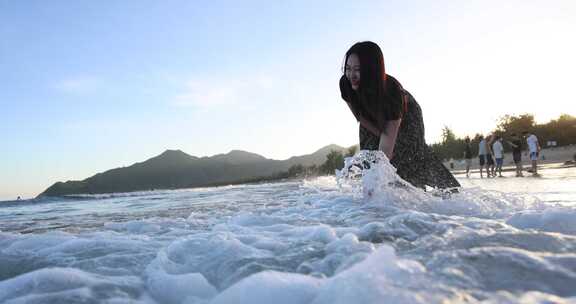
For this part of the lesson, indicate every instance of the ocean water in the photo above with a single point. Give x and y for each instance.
(361, 237)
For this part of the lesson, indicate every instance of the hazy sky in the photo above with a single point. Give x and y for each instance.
(87, 86)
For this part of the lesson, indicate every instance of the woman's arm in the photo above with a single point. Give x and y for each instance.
(364, 122)
(388, 137)
(369, 126)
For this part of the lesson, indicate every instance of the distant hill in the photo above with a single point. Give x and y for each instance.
(175, 169)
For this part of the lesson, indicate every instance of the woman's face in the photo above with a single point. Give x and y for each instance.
(352, 71)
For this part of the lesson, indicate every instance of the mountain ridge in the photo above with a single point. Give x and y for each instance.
(173, 169)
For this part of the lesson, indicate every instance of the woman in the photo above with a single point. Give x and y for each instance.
(390, 118)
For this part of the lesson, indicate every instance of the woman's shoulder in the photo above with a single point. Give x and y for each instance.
(399, 88)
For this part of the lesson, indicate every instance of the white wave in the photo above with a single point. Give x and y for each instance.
(321, 240)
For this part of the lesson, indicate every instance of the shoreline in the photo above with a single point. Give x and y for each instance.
(552, 156)
(525, 168)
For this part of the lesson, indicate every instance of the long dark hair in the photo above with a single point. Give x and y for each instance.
(379, 97)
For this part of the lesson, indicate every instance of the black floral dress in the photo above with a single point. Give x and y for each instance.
(414, 160)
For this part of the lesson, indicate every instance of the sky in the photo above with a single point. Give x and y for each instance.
(87, 86)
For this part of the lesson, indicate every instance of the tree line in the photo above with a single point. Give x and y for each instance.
(334, 161)
(561, 130)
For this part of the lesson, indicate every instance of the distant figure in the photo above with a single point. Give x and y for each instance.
(390, 118)
(482, 155)
(516, 144)
(534, 149)
(498, 150)
(18, 199)
(468, 155)
(489, 157)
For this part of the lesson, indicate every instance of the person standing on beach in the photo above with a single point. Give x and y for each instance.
(468, 155)
(516, 144)
(489, 157)
(534, 149)
(482, 155)
(390, 118)
(498, 150)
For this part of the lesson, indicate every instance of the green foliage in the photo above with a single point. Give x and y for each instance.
(509, 124)
(334, 160)
(448, 136)
(312, 170)
(351, 151)
(561, 130)
(450, 147)
(296, 170)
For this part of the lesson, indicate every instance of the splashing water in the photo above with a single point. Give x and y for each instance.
(364, 237)
(371, 168)
(370, 175)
